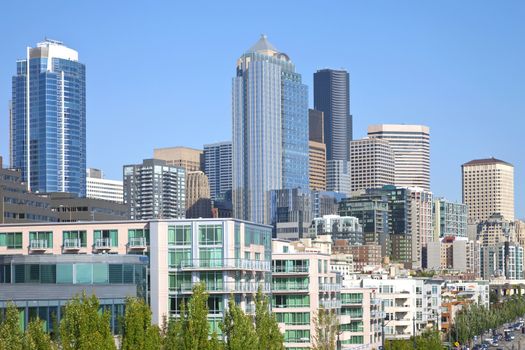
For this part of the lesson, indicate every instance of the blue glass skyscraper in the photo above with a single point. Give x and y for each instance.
(270, 130)
(48, 119)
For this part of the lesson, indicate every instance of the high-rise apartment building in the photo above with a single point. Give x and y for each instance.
(155, 190)
(183, 157)
(48, 119)
(488, 188)
(198, 201)
(100, 188)
(218, 168)
(411, 147)
(450, 219)
(291, 212)
(317, 155)
(332, 97)
(372, 164)
(270, 130)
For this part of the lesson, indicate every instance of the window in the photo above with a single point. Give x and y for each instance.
(180, 281)
(355, 339)
(210, 257)
(210, 234)
(179, 257)
(41, 239)
(215, 304)
(179, 235)
(297, 336)
(107, 238)
(137, 234)
(293, 318)
(352, 298)
(212, 280)
(291, 301)
(11, 240)
(74, 239)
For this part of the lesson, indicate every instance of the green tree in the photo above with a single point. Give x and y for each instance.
(10, 333)
(35, 338)
(326, 329)
(238, 329)
(82, 326)
(266, 327)
(138, 332)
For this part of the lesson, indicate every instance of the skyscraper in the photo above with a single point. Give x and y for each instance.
(154, 190)
(488, 188)
(270, 130)
(185, 157)
(317, 156)
(48, 119)
(218, 168)
(411, 146)
(198, 202)
(372, 164)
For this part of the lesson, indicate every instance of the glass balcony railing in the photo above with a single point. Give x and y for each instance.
(38, 244)
(289, 286)
(72, 243)
(225, 287)
(241, 264)
(330, 304)
(103, 243)
(290, 269)
(329, 287)
(137, 242)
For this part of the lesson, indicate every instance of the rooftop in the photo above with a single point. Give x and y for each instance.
(487, 161)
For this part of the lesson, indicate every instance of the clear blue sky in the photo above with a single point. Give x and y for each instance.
(159, 72)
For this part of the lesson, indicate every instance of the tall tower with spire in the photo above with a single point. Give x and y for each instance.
(270, 130)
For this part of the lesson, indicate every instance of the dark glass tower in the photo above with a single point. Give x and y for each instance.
(48, 119)
(332, 96)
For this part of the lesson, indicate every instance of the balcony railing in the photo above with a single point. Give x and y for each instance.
(293, 269)
(137, 243)
(291, 286)
(38, 244)
(103, 243)
(72, 243)
(241, 264)
(351, 301)
(330, 304)
(226, 287)
(329, 287)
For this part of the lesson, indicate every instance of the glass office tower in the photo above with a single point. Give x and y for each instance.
(270, 130)
(48, 119)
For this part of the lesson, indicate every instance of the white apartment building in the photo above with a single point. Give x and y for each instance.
(488, 188)
(411, 147)
(454, 253)
(372, 164)
(302, 282)
(100, 188)
(229, 256)
(419, 222)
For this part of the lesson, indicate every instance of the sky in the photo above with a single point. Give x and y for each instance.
(159, 73)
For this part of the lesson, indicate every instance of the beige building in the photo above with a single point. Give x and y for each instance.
(488, 188)
(411, 147)
(454, 253)
(188, 158)
(198, 201)
(317, 150)
(372, 164)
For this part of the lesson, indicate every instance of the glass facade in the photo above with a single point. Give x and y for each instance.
(48, 120)
(270, 130)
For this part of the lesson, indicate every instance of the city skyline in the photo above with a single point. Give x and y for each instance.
(462, 127)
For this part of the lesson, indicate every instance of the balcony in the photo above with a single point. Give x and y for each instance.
(329, 287)
(278, 270)
(103, 244)
(330, 304)
(137, 243)
(289, 287)
(38, 245)
(225, 287)
(232, 264)
(72, 244)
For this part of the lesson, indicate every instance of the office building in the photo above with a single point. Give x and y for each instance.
(317, 155)
(332, 97)
(270, 130)
(501, 260)
(411, 147)
(496, 229)
(338, 176)
(372, 164)
(155, 190)
(100, 188)
(291, 213)
(450, 219)
(68, 207)
(325, 203)
(488, 188)
(228, 256)
(187, 158)
(218, 168)
(198, 201)
(302, 282)
(48, 119)
(17, 204)
(373, 214)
